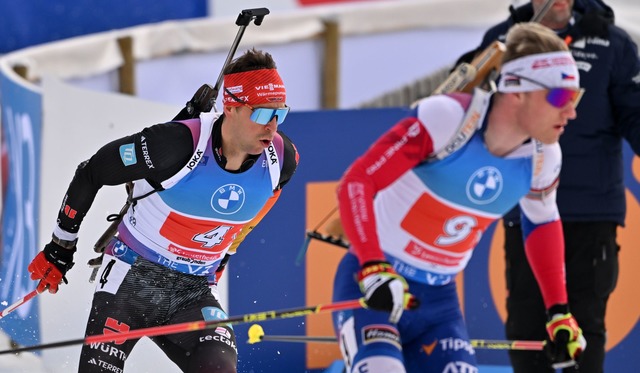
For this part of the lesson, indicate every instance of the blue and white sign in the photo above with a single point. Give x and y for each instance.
(21, 144)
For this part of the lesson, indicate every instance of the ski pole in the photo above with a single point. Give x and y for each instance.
(256, 334)
(508, 344)
(198, 325)
(17, 304)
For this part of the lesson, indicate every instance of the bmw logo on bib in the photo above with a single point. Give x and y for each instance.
(228, 199)
(484, 186)
(119, 249)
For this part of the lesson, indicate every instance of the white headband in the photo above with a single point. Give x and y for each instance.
(553, 70)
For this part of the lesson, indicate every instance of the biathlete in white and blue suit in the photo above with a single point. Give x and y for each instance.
(203, 184)
(415, 205)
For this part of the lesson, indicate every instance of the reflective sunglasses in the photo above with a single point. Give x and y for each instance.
(263, 115)
(558, 97)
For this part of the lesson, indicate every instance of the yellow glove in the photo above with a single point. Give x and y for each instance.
(566, 340)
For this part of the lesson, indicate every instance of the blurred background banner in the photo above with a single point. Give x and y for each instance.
(32, 22)
(20, 154)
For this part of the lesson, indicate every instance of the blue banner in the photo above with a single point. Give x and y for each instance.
(27, 23)
(21, 149)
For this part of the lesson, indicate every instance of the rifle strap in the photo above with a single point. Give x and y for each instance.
(472, 121)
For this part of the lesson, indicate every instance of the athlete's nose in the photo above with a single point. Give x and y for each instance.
(272, 125)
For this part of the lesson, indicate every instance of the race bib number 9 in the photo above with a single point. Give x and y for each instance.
(439, 225)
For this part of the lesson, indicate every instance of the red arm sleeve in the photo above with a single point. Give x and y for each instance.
(544, 248)
(397, 151)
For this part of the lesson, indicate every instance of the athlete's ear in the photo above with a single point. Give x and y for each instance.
(227, 110)
(515, 98)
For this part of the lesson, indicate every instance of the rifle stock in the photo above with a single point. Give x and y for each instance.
(485, 63)
(467, 76)
(463, 74)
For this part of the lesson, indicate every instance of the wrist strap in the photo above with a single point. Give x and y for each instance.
(70, 245)
(375, 267)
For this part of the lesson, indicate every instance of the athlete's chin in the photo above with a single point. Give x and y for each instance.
(548, 140)
(551, 137)
(258, 147)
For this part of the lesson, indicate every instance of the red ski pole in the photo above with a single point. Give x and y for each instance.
(17, 304)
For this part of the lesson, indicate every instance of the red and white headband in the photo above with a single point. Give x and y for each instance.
(551, 70)
(254, 87)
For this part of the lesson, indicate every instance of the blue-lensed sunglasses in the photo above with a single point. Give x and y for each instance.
(557, 97)
(263, 115)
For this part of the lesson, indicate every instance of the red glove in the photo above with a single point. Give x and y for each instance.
(50, 266)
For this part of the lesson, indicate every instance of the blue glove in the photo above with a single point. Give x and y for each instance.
(566, 340)
(385, 290)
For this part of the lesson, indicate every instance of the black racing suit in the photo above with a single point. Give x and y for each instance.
(591, 195)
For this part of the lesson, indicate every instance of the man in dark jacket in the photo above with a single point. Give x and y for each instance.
(591, 196)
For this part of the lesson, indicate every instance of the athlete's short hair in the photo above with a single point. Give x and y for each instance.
(528, 38)
(252, 59)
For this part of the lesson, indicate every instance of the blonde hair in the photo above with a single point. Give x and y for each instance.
(528, 38)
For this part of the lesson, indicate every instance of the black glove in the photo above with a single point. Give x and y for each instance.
(50, 266)
(385, 290)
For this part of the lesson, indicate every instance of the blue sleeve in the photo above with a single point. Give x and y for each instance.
(527, 225)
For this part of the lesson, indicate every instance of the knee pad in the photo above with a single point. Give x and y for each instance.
(378, 364)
